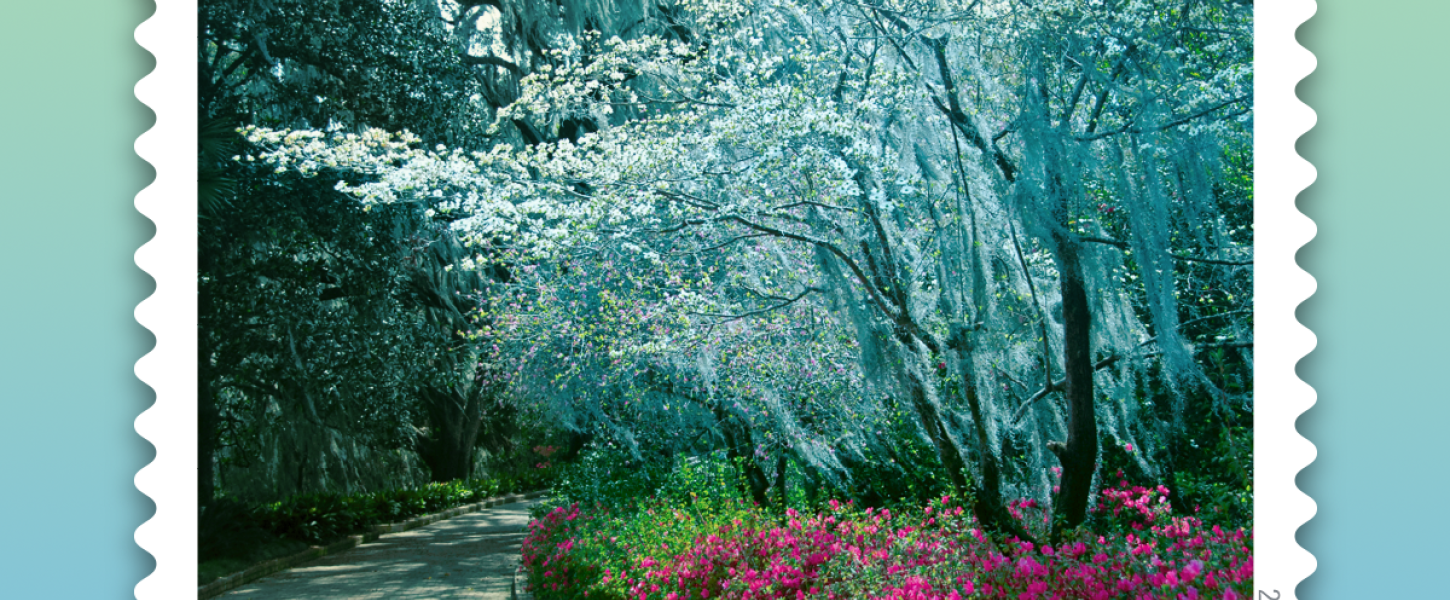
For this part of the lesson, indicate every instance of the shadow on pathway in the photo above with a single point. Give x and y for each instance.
(468, 556)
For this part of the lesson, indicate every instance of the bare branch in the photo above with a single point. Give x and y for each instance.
(1170, 124)
(1213, 261)
(1121, 245)
(1057, 386)
(829, 247)
(788, 302)
(1110, 361)
(720, 245)
(469, 59)
(953, 110)
(813, 203)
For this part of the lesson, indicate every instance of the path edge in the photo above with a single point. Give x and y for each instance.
(258, 571)
(517, 588)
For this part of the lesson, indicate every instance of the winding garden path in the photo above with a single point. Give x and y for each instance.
(468, 556)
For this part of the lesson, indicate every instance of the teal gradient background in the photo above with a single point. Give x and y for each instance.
(68, 285)
(1382, 204)
(68, 341)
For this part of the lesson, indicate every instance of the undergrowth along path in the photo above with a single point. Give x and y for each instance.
(468, 556)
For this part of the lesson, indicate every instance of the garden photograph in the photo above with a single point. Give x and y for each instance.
(739, 299)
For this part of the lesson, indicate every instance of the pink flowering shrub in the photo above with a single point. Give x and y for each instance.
(550, 565)
(733, 551)
(1127, 509)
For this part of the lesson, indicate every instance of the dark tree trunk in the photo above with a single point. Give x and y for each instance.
(813, 480)
(988, 507)
(755, 476)
(740, 450)
(780, 479)
(946, 447)
(575, 444)
(1079, 455)
(454, 419)
(988, 501)
(208, 420)
(208, 416)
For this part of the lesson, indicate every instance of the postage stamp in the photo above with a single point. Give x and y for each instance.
(969, 298)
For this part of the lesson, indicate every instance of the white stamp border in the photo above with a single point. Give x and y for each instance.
(1280, 508)
(1280, 341)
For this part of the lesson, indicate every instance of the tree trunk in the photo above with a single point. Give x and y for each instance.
(1079, 455)
(208, 419)
(988, 498)
(813, 481)
(780, 479)
(740, 450)
(454, 420)
(988, 501)
(946, 447)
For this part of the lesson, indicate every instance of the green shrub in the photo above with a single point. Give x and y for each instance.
(229, 529)
(608, 476)
(314, 518)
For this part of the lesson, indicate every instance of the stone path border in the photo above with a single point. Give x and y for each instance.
(516, 589)
(261, 570)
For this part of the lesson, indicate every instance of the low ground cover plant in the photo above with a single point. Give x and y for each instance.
(728, 549)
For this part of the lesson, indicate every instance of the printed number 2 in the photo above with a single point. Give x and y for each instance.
(1264, 594)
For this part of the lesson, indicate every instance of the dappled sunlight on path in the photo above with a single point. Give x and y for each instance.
(469, 556)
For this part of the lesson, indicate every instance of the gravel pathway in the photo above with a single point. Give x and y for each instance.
(468, 556)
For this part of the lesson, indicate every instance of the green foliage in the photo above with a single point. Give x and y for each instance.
(310, 323)
(605, 475)
(1221, 490)
(229, 529)
(314, 518)
(903, 469)
(609, 477)
(373, 62)
(528, 447)
(300, 315)
(1206, 458)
